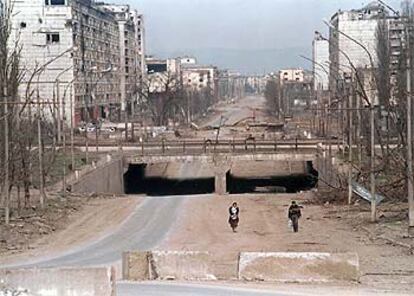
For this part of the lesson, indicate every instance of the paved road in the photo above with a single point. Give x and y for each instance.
(144, 230)
(159, 289)
(182, 289)
(242, 109)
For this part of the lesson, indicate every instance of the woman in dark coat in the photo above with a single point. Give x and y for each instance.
(234, 216)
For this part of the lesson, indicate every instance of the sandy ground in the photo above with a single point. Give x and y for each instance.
(95, 218)
(264, 227)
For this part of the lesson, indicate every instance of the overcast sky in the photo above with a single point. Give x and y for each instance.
(178, 26)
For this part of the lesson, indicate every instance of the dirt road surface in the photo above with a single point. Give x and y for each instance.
(143, 229)
(63, 224)
(264, 227)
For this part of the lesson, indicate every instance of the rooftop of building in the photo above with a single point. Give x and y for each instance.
(372, 10)
(197, 66)
(292, 69)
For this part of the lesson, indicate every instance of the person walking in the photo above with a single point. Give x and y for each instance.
(234, 216)
(294, 214)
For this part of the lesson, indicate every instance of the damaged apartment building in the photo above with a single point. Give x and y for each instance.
(194, 86)
(353, 44)
(89, 56)
(295, 90)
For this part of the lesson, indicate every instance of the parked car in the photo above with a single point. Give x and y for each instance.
(110, 129)
(91, 128)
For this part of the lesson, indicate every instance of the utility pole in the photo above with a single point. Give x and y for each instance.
(410, 183)
(64, 148)
(59, 126)
(126, 120)
(39, 139)
(350, 156)
(6, 154)
(72, 148)
(372, 161)
(329, 136)
(93, 95)
(358, 131)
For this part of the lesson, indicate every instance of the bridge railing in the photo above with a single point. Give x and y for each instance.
(197, 147)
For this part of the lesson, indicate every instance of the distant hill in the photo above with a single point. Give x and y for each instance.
(247, 61)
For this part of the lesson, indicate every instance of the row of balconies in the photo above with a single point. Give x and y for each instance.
(93, 18)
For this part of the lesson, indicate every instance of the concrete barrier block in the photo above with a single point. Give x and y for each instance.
(298, 267)
(168, 265)
(61, 281)
(181, 265)
(135, 266)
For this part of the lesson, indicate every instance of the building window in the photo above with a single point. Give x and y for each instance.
(55, 2)
(52, 38)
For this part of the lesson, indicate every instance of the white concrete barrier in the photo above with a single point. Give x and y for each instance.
(298, 267)
(135, 266)
(168, 265)
(60, 281)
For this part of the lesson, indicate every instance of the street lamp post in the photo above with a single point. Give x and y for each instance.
(372, 123)
(40, 154)
(358, 103)
(6, 154)
(93, 95)
(410, 177)
(350, 151)
(58, 103)
(341, 110)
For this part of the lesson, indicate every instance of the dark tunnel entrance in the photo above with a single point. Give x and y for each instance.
(275, 184)
(136, 182)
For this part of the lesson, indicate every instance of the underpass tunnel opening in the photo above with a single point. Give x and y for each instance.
(138, 181)
(195, 178)
(288, 182)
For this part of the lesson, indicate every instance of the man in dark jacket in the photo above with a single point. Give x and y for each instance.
(294, 214)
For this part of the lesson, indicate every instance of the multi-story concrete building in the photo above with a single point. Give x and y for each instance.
(255, 84)
(188, 60)
(289, 75)
(88, 55)
(162, 74)
(198, 77)
(321, 63)
(131, 49)
(296, 91)
(361, 25)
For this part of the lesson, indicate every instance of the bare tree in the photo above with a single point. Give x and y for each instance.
(19, 97)
(10, 78)
(273, 96)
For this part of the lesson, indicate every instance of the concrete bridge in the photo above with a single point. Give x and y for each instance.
(222, 154)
